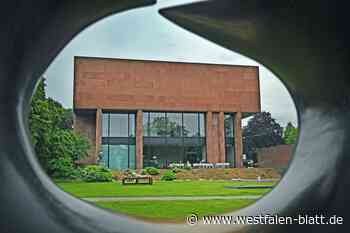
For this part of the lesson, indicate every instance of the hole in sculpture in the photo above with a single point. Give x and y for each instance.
(178, 126)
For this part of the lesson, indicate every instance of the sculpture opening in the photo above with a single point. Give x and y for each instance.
(161, 120)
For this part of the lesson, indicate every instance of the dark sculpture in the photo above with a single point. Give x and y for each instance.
(302, 42)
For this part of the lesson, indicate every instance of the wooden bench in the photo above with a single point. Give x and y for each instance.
(137, 180)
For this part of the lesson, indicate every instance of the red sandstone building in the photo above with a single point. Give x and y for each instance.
(153, 113)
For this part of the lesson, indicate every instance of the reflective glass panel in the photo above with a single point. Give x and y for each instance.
(173, 138)
(230, 154)
(202, 124)
(193, 154)
(157, 124)
(105, 125)
(174, 127)
(145, 124)
(160, 156)
(229, 125)
(118, 157)
(104, 156)
(132, 127)
(118, 125)
(190, 125)
(132, 158)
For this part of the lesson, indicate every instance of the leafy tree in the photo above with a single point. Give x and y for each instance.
(67, 122)
(290, 134)
(56, 144)
(261, 131)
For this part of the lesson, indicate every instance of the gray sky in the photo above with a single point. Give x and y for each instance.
(144, 34)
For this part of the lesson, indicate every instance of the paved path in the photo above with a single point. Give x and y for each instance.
(170, 198)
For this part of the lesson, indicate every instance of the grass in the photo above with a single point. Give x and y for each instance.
(173, 211)
(164, 210)
(161, 188)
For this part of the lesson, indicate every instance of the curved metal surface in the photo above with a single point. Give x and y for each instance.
(304, 43)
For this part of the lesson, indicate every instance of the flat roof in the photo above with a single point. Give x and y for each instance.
(163, 61)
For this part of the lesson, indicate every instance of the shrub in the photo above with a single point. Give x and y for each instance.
(143, 172)
(96, 173)
(63, 168)
(56, 144)
(152, 171)
(188, 167)
(168, 176)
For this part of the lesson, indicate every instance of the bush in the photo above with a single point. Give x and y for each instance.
(63, 147)
(56, 144)
(188, 167)
(143, 172)
(152, 171)
(63, 168)
(168, 176)
(96, 173)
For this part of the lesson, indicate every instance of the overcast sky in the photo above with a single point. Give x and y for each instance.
(144, 34)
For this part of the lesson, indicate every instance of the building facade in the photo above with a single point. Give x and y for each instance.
(152, 113)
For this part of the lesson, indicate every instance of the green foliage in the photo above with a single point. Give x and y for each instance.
(143, 172)
(152, 171)
(262, 131)
(168, 176)
(187, 167)
(290, 134)
(56, 144)
(96, 173)
(63, 168)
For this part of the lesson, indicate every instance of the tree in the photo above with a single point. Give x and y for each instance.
(290, 134)
(261, 131)
(57, 146)
(162, 126)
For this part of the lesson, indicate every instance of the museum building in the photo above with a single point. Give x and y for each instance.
(153, 113)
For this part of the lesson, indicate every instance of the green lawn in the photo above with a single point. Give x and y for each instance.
(160, 188)
(173, 211)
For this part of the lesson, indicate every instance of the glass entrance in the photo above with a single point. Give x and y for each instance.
(172, 137)
(118, 141)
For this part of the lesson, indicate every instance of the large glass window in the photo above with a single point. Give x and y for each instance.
(174, 124)
(191, 123)
(118, 140)
(157, 124)
(118, 125)
(173, 137)
(229, 139)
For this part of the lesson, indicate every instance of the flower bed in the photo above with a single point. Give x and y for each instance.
(217, 174)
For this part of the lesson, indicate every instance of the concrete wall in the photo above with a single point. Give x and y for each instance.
(165, 86)
(275, 156)
(85, 124)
